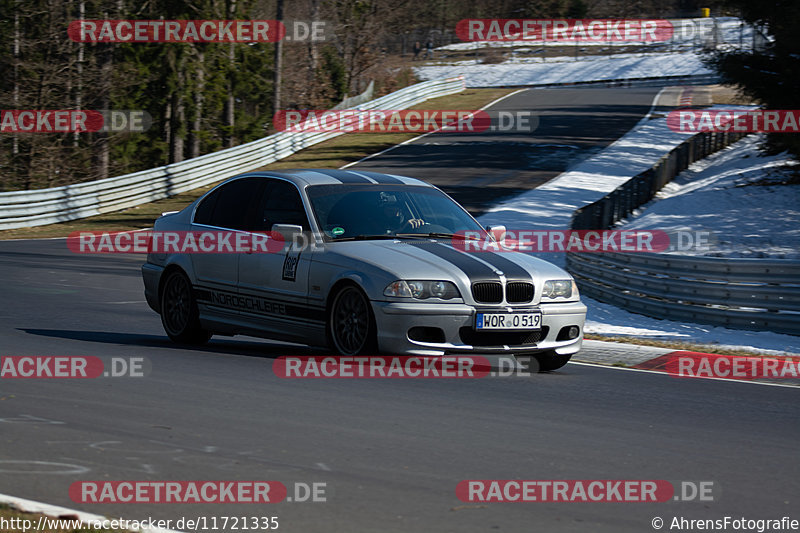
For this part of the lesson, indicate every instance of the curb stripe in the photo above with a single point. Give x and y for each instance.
(55, 512)
(659, 364)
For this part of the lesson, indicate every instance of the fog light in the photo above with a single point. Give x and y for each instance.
(567, 333)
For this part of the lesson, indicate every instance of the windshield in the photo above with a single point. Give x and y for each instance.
(358, 211)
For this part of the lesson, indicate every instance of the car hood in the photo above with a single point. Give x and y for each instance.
(439, 259)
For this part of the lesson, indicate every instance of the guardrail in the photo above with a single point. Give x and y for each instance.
(753, 294)
(658, 81)
(640, 189)
(20, 209)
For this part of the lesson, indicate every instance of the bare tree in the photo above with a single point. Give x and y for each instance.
(230, 120)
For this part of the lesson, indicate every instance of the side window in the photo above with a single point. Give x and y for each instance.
(232, 205)
(202, 215)
(281, 205)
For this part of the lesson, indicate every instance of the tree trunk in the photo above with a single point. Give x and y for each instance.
(194, 144)
(313, 49)
(178, 115)
(276, 91)
(168, 127)
(105, 55)
(229, 105)
(15, 141)
(79, 91)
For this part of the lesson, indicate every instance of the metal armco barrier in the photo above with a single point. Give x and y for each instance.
(21, 209)
(752, 294)
(640, 189)
(657, 81)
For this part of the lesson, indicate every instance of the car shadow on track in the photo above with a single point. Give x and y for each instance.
(223, 345)
(219, 344)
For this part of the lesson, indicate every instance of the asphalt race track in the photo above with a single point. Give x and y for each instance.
(571, 125)
(390, 452)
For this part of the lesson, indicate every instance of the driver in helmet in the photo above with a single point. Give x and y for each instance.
(395, 215)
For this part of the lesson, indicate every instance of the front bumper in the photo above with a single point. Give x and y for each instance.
(395, 321)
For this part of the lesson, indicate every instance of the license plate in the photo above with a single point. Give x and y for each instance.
(506, 321)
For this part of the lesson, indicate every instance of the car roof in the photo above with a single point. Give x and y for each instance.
(329, 176)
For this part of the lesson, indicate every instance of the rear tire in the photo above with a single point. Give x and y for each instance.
(551, 360)
(179, 314)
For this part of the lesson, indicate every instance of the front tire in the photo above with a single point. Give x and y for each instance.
(179, 314)
(351, 327)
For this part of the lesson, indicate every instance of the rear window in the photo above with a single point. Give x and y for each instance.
(231, 205)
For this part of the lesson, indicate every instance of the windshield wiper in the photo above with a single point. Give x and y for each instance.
(433, 235)
(439, 235)
(364, 238)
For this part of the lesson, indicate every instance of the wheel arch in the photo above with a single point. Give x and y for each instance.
(176, 262)
(359, 279)
(174, 267)
(337, 286)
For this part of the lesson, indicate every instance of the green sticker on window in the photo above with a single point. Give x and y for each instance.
(337, 231)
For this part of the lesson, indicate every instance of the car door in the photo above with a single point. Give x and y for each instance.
(229, 207)
(277, 283)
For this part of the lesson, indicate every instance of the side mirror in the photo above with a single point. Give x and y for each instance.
(290, 233)
(287, 230)
(498, 233)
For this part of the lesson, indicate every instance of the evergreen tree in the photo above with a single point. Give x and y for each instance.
(770, 71)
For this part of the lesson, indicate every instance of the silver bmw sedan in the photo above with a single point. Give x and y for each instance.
(360, 262)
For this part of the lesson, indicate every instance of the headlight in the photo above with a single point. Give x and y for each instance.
(422, 289)
(559, 288)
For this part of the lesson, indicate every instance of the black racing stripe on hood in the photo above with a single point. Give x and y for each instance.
(474, 269)
(510, 269)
